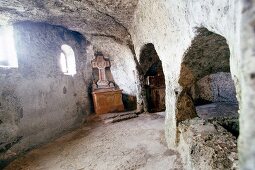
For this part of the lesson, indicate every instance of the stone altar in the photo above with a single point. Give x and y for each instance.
(106, 97)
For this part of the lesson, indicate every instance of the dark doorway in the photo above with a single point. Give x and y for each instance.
(153, 79)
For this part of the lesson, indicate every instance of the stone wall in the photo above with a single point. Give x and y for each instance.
(246, 145)
(38, 102)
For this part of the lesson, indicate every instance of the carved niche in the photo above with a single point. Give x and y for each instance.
(106, 97)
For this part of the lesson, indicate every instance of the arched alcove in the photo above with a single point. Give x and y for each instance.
(8, 55)
(152, 79)
(208, 90)
(67, 60)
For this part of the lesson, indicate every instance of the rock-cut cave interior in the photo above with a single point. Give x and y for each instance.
(127, 84)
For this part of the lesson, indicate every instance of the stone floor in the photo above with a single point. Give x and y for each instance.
(137, 143)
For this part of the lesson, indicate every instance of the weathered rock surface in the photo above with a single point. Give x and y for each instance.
(204, 145)
(217, 87)
(218, 109)
(209, 53)
(185, 106)
(37, 101)
(96, 18)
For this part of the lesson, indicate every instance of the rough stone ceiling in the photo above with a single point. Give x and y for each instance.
(90, 17)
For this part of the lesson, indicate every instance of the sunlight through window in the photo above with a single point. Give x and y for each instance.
(8, 56)
(67, 60)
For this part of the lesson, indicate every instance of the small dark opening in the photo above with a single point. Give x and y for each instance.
(153, 79)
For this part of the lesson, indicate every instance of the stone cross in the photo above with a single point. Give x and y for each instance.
(100, 63)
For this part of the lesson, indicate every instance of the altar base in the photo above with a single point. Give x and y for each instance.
(107, 101)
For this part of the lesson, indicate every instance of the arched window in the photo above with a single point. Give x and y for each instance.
(67, 60)
(8, 56)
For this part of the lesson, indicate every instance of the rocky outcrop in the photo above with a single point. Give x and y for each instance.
(217, 87)
(218, 109)
(205, 145)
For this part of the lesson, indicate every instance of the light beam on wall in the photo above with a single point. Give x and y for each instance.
(8, 55)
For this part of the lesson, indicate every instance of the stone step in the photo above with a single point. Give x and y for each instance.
(117, 117)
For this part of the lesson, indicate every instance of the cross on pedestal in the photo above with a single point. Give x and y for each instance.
(100, 63)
